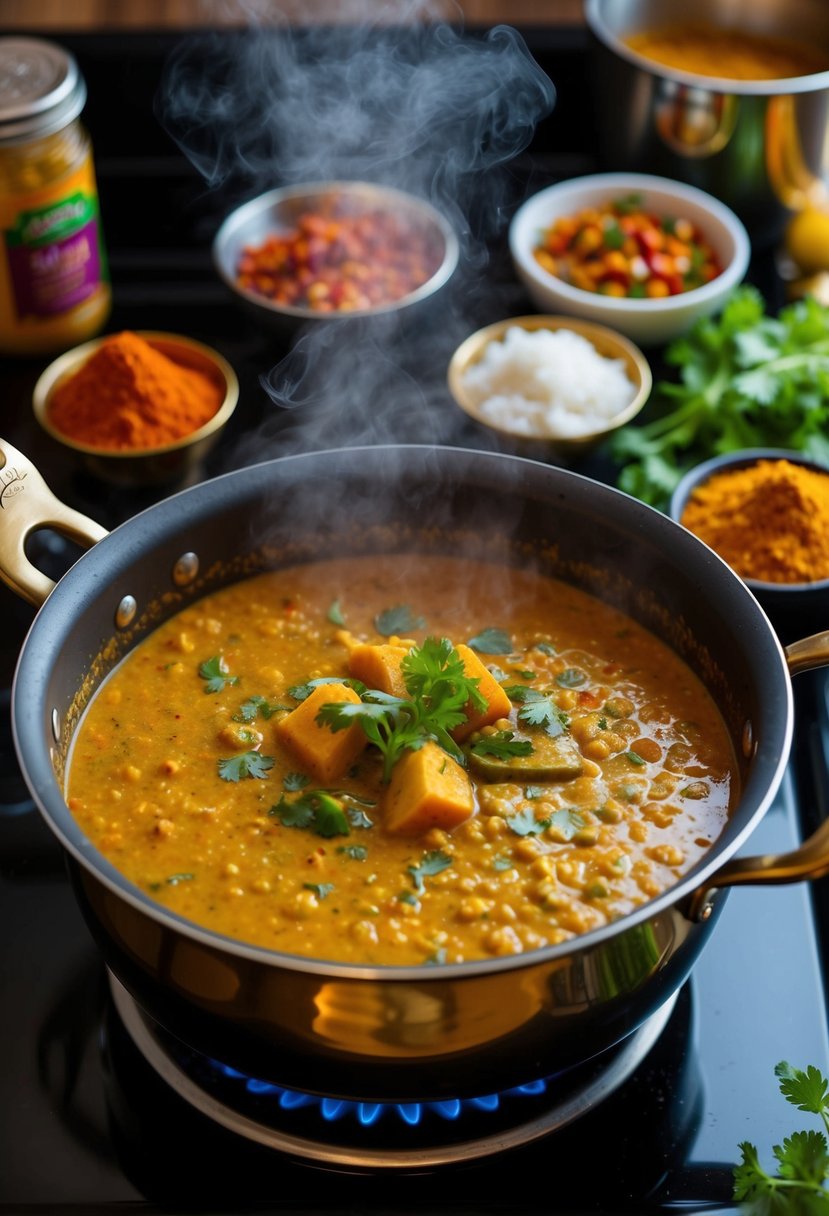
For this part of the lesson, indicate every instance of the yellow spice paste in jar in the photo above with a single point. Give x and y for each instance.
(54, 283)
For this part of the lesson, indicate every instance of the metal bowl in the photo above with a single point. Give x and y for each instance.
(759, 145)
(278, 211)
(147, 466)
(650, 322)
(793, 608)
(606, 341)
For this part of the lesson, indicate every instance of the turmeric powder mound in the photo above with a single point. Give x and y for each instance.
(769, 521)
(129, 396)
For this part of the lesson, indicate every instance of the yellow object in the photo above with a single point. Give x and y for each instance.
(807, 240)
(325, 753)
(379, 667)
(498, 704)
(428, 789)
(54, 285)
(769, 521)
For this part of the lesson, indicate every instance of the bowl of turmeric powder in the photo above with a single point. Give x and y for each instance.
(138, 408)
(765, 511)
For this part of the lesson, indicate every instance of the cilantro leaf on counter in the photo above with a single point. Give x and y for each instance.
(215, 671)
(747, 380)
(802, 1158)
(246, 764)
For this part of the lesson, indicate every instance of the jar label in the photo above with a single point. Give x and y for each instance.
(53, 255)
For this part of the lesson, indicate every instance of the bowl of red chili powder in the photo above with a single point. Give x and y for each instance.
(138, 408)
(765, 511)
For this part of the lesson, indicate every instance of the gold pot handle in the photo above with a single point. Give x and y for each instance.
(27, 505)
(811, 860)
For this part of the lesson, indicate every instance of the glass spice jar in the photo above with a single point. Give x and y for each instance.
(54, 283)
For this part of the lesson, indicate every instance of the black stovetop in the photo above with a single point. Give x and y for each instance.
(87, 1127)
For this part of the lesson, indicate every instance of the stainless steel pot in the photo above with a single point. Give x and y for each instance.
(393, 1033)
(760, 146)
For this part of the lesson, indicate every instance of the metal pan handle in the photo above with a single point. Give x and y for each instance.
(811, 860)
(27, 505)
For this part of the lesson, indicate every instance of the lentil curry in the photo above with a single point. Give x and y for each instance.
(382, 761)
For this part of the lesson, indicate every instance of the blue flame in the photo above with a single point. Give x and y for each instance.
(368, 1113)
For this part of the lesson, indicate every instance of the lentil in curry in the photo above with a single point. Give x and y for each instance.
(227, 768)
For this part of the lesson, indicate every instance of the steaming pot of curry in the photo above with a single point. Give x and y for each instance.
(397, 773)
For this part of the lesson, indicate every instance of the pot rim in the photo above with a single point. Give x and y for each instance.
(594, 16)
(172, 515)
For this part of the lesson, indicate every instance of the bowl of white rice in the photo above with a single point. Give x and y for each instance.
(549, 385)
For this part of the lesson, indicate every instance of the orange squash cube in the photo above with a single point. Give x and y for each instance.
(325, 753)
(379, 667)
(428, 789)
(498, 703)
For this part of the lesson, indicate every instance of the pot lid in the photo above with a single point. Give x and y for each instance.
(41, 88)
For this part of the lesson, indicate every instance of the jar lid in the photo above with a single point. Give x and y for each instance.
(41, 89)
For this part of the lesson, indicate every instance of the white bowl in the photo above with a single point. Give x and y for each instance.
(648, 322)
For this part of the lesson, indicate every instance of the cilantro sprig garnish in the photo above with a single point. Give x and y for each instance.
(439, 692)
(217, 674)
(246, 764)
(802, 1158)
(747, 380)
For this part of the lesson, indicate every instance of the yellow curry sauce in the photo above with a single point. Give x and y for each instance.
(705, 49)
(181, 775)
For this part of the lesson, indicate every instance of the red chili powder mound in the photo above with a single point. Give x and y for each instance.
(129, 396)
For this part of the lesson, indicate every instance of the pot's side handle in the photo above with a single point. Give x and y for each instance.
(26, 505)
(811, 860)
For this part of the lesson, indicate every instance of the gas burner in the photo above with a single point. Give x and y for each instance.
(383, 1136)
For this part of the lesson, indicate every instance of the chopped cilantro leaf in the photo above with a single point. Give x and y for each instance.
(397, 620)
(491, 641)
(502, 745)
(247, 764)
(320, 889)
(175, 879)
(300, 692)
(358, 819)
(502, 862)
(635, 758)
(534, 791)
(567, 822)
(257, 706)
(215, 672)
(545, 648)
(316, 810)
(357, 852)
(408, 897)
(524, 823)
(335, 613)
(295, 781)
(539, 710)
(438, 958)
(433, 863)
(571, 677)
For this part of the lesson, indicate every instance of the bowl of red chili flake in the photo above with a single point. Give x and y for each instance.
(334, 249)
(644, 255)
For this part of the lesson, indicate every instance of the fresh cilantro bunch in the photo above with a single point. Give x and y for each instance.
(746, 380)
(802, 1158)
(439, 691)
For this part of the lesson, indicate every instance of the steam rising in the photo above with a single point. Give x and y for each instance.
(420, 106)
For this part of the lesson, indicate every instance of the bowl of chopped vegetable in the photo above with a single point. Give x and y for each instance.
(334, 249)
(642, 254)
(549, 386)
